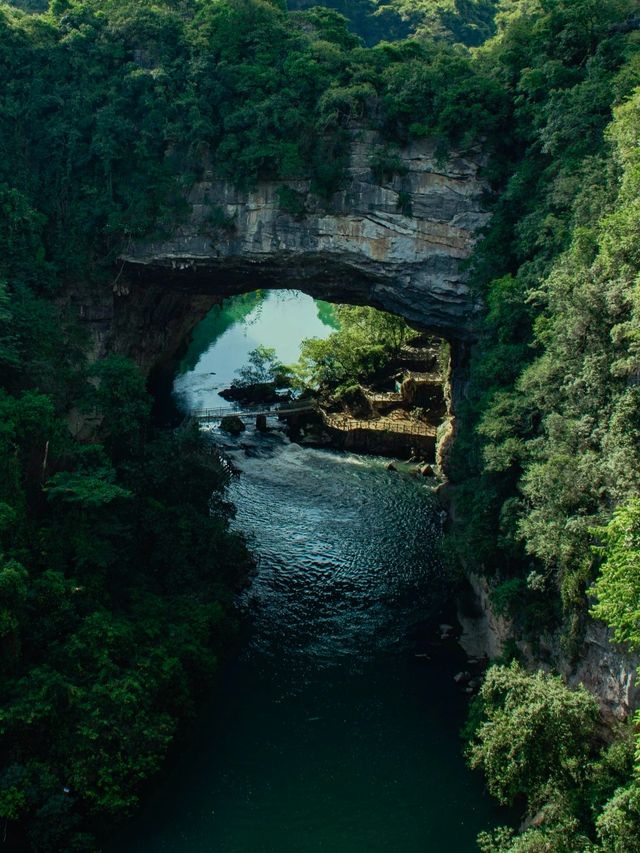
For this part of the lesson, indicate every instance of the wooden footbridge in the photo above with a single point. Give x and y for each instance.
(282, 410)
(392, 425)
(341, 423)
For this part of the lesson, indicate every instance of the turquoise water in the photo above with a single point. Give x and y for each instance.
(336, 729)
(280, 319)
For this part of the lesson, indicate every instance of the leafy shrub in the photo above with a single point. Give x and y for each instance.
(385, 164)
(292, 201)
(506, 596)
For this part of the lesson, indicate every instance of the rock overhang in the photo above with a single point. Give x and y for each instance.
(399, 244)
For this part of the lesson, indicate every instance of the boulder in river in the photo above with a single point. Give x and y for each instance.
(232, 424)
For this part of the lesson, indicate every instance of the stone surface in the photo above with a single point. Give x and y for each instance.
(359, 247)
(232, 424)
(607, 670)
(484, 633)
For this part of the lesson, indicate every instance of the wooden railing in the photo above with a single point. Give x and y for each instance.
(265, 411)
(381, 424)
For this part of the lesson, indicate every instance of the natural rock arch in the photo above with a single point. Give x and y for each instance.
(396, 243)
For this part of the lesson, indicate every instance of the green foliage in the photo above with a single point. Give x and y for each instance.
(371, 21)
(546, 438)
(617, 588)
(405, 205)
(219, 220)
(547, 449)
(30, 5)
(263, 368)
(617, 592)
(292, 201)
(121, 398)
(467, 21)
(575, 789)
(536, 733)
(117, 571)
(8, 343)
(561, 837)
(327, 314)
(618, 825)
(126, 615)
(365, 340)
(443, 93)
(506, 597)
(87, 490)
(385, 164)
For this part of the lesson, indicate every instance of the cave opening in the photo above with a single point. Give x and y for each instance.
(378, 385)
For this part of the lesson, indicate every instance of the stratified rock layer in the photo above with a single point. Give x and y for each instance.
(397, 245)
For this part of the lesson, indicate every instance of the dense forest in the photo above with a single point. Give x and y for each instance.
(117, 566)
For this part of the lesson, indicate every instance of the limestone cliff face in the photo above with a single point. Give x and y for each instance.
(397, 245)
(607, 670)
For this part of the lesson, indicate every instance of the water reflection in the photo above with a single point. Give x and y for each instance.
(221, 343)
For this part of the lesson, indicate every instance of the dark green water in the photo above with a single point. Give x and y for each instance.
(328, 734)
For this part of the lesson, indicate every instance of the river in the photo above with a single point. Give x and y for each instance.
(336, 728)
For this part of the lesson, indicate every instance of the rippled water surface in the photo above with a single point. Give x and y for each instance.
(336, 731)
(346, 552)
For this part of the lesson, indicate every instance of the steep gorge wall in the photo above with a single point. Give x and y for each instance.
(606, 669)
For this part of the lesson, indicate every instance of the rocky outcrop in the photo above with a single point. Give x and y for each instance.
(396, 244)
(484, 633)
(607, 670)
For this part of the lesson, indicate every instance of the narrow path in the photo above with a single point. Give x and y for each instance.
(346, 424)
